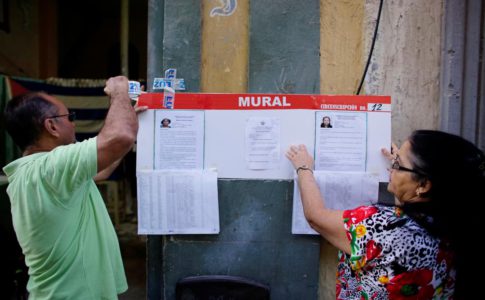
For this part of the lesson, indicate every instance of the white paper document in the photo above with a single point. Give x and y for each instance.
(179, 140)
(340, 145)
(341, 190)
(262, 143)
(177, 202)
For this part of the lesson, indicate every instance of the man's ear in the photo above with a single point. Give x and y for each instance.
(50, 126)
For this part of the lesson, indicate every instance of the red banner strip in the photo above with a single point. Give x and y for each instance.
(263, 101)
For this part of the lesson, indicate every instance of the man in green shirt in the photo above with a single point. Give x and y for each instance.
(60, 219)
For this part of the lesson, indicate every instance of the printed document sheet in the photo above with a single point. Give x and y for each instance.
(179, 140)
(341, 190)
(341, 147)
(177, 202)
(263, 143)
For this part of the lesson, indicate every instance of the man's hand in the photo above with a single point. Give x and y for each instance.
(139, 109)
(115, 85)
(118, 134)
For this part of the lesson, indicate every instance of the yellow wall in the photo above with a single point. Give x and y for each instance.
(225, 47)
(341, 39)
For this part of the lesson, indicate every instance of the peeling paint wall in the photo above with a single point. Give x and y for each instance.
(405, 65)
(406, 62)
(341, 46)
(227, 71)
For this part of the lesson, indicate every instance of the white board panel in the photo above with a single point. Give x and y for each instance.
(225, 138)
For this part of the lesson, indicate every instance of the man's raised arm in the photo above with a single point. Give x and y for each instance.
(121, 125)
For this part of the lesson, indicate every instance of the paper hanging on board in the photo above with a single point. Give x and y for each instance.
(340, 190)
(177, 202)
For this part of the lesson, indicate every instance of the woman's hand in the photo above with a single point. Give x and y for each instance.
(299, 156)
(392, 154)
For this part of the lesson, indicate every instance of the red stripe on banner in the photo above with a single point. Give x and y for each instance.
(263, 101)
(16, 88)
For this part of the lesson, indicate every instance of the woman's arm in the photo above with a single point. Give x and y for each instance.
(328, 222)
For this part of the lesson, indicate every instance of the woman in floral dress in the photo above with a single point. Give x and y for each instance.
(421, 248)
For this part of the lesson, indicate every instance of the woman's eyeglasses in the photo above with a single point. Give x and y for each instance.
(70, 116)
(396, 166)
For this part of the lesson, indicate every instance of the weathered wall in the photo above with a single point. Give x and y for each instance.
(405, 65)
(462, 98)
(262, 46)
(227, 71)
(237, 55)
(406, 61)
(341, 65)
(341, 46)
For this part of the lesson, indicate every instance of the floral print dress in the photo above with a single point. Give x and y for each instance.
(392, 257)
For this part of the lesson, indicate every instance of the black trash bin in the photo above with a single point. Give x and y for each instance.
(220, 287)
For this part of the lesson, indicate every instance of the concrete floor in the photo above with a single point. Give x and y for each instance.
(133, 251)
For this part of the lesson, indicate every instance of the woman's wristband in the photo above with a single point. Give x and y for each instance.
(304, 167)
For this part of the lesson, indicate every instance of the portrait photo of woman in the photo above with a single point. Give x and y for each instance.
(326, 122)
(165, 123)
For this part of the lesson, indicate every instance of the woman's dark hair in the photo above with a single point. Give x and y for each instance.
(456, 169)
(24, 117)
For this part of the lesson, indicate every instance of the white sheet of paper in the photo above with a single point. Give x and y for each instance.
(342, 147)
(262, 143)
(177, 202)
(179, 142)
(341, 190)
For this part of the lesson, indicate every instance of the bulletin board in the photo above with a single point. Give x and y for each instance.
(225, 122)
(255, 205)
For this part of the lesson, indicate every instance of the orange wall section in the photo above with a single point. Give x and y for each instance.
(225, 48)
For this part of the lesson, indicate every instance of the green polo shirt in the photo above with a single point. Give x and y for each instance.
(62, 225)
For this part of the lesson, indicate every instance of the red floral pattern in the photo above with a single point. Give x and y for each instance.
(359, 214)
(373, 250)
(411, 285)
(383, 263)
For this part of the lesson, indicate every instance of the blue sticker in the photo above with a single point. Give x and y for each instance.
(168, 101)
(170, 81)
(170, 73)
(134, 89)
